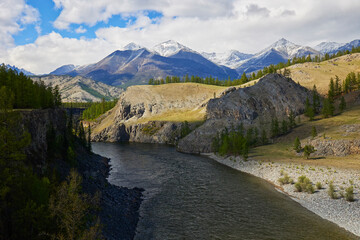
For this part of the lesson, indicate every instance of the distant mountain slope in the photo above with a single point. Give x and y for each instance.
(19, 70)
(80, 89)
(308, 74)
(230, 59)
(280, 51)
(328, 47)
(63, 69)
(131, 67)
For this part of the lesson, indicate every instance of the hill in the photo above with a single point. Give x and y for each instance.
(308, 74)
(80, 89)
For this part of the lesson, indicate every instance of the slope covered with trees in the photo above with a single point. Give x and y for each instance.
(25, 92)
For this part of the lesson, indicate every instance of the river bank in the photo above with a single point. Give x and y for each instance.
(339, 211)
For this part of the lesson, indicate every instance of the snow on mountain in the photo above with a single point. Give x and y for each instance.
(169, 48)
(328, 47)
(230, 58)
(280, 51)
(132, 46)
(350, 45)
(289, 50)
(27, 73)
(63, 69)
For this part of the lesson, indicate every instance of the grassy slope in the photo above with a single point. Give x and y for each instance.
(308, 74)
(281, 149)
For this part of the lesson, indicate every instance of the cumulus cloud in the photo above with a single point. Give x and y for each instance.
(255, 10)
(14, 14)
(80, 29)
(92, 11)
(212, 26)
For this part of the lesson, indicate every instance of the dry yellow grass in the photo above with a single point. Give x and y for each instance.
(308, 74)
(281, 150)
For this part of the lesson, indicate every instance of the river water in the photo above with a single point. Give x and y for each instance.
(194, 197)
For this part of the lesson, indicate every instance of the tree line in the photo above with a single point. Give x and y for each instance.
(25, 92)
(37, 204)
(97, 109)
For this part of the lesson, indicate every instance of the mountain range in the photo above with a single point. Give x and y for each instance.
(135, 64)
(19, 70)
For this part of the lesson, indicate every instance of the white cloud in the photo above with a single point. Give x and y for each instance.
(80, 29)
(13, 15)
(245, 25)
(51, 51)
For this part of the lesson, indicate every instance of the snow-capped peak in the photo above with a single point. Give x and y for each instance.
(326, 47)
(169, 48)
(288, 49)
(231, 58)
(132, 46)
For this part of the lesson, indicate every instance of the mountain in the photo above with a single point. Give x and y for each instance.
(80, 89)
(350, 45)
(328, 47)
(169, 48)
(130, 67)
(280, 51)
(63, 69)
(27, 73)
(230, 59)
(132, 46)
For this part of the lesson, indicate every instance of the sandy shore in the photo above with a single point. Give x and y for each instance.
(339, 211)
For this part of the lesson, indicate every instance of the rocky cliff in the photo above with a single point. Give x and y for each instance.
(155, 114)
(273, 96)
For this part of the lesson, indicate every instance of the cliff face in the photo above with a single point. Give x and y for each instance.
(37, 123)
(154, 114)
(273, 96)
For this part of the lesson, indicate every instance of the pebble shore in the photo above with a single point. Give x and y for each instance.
(339, 211)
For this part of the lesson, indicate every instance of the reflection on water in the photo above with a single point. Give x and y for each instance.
(193, 197)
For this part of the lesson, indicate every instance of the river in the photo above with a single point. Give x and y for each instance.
(193, 197)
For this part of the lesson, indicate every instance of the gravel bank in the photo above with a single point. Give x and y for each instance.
(339, 211)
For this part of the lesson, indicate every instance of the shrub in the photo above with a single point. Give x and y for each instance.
(331, 191)
(318, 185)
(308, 149)
(304, 185)
(349, 194)
(285, 180)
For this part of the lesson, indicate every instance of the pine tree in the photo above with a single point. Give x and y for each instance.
(291, 118)
(244, 78)
(89, 139)
(284, 126)
(313, 132)
(287, 73)
(297, 145)
(331, 92)
(309, 111)
(275, 127)
(308, 149)
(264, 139)
(342, 105)
(328, 108)
(316, 100)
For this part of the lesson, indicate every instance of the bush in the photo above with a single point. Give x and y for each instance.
(318, 185)
(308, 149)
(285, 180)
(349, 194)
(331, 191)
(304, 185)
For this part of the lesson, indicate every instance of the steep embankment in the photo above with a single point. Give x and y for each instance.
(308, 74)
(273, 96)
(118, 205)
(155, 113)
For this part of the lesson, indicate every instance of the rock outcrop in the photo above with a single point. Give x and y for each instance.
(273, 96)
(153, 114)
(339, 148)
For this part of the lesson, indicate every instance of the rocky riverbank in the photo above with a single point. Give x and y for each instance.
(339, 211)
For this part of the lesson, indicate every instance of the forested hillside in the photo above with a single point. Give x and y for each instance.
(25, 92)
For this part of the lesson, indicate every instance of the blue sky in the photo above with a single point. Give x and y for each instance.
(41, 35)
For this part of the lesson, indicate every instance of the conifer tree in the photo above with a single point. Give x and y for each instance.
(275, 127)
(309, 111)
(342, 105)
(89, 139)
(313, 132)
(264, 139)
(316, 100)
(297, 145)
(291, 119)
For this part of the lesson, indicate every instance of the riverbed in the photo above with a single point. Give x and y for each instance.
(195, 197)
